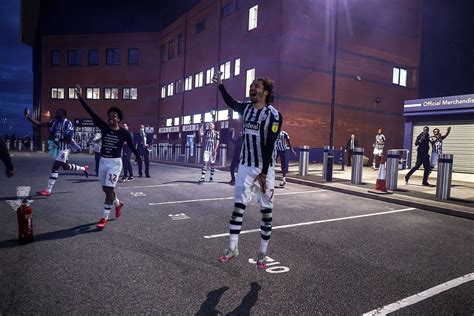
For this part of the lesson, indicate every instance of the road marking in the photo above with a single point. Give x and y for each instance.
(137, 194)
(177, 217)
(229, 198)
(158, 185)
(22, 192)
(271, 262)
(422, 295)
(315, 222)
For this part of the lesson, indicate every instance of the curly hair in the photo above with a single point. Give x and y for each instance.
(116, 110)
(268, 85)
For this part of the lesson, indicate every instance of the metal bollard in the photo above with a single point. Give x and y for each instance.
(20, 145)
(8, 144)
(392, 169)
(304, 160)
(198, 153)
(328, 161)
(170, 152)
(155, 151)
(177, 152)
(341, 157)
(223, 153)
(160, 151)
(187, 153)
(31, 146)
(357, 163)
(43, 146)
(445, 172)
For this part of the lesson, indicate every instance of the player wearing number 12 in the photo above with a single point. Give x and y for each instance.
(110, 166)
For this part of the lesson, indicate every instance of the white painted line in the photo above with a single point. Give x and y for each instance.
(228, 198)
(315, 222)
(412, 105)
(14, 204)
(161, 185)
(422, 296)
(22, 192)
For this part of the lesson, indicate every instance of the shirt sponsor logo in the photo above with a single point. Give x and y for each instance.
(252, 128)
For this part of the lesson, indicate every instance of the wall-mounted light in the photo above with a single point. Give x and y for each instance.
(48, 113)
(359, 78)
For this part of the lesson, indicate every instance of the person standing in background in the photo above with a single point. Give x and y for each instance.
(351, 144)
(143, 143)
(378, 148)
(237, 141)
(126, 155)
(96, 144)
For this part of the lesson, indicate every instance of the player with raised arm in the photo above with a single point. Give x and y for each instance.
(113, 138)
(262, 124)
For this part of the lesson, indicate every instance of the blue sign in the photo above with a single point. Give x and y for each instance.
(460, 102)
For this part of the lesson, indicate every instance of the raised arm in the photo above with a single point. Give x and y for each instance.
(447, 133)
(95, 118)
(32, 120)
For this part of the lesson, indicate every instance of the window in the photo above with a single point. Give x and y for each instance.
(176, 121)
(93, 93)
(208, 117)
(225, 69)
(197, 118)
(253, 17)
(93, 57)
(113, 56)
(72, 93)
(178, 87)
(223, 115)
(130, 93)
(180, 43)
(235, 115)
(74, 57)
(250, 78)
(111, 93)
(200, 26)
(227, 10)
(56, 57)
(209, 75)
(163, 92)
(237, 67)
(171, 49)
(186, 119)
(188, 83)
(163, 51)
(399, 76)
(133, 56)
(170, 89)
(169, 122)
(198, 79)
(57, 93)
(238, 4)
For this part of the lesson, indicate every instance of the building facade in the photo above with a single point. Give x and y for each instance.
(292, 42)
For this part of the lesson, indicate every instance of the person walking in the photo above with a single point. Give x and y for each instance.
(378, 148)
(237, 141)
(282, 145)
(422, 156)
(96, 144)
(126, 155)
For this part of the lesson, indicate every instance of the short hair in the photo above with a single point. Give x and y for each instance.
(63, 111)
(268, 85)
(116, 110)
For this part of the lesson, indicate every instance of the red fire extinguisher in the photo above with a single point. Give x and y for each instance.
(25, 223)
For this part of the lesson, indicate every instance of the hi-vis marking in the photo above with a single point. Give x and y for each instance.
(22, 193)
(137, 193)
(177, 217)
(272, 264)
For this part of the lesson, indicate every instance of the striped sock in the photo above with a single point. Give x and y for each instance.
(203, 172)
(265, 229)
(73, 167)
(212, 170)
(52, 180)
(107, 208)
(235, 225)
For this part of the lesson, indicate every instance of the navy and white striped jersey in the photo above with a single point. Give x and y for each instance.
(61, 132)
(210, 139)
(281, 143)
(261, 129)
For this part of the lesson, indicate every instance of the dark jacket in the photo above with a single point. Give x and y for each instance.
(423, 143)
(5, 156)
(138, 139)
(348, 145)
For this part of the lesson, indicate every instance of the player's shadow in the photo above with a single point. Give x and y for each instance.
(248, 301)
(59, 234)
(209, 305)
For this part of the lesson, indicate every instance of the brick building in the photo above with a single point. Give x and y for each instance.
(159, 73)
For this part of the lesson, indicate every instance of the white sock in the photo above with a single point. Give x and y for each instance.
(107, 208)
(233, 241)
(116, 201)
(263, 245)
(52, 180)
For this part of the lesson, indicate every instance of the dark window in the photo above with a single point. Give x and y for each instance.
(133, 56)
(113, 56)
(163, 52)
(93, 56)
(177, 87)
(56, 57)
(227, 10)
(238, 4)
(200, 26)
(180, 43)
(170, 49)
(74, 57)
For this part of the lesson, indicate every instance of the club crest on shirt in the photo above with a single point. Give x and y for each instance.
(275, 127)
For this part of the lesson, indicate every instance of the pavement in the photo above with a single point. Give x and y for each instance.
(331, 253)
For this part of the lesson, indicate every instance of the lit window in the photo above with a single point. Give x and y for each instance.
(399, 76)
(223, 115)
(170, 89)
(237, 67)
(186, 119)
(188, 83)
(176, 121)
(72, 93)
(225, 69)
(130, 93)
(111, 93)
(235, 115)
(163, 92)
(197, 118)
(57, 93)
(198, 79)
(169, 122)
(253, 17)
(93, 93)
(209, 75)
(208, 117)
(249, 80)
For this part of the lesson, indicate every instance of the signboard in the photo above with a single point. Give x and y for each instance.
(173, 129)
(460, 102)
(190, 128)
(84, 122)
(149, 130)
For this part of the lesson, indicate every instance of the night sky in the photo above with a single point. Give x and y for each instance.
(447, 65)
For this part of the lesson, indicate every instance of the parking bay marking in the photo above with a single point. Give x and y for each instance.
(271, 265)
(230, 198)
(137, 194)
(314, 222)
